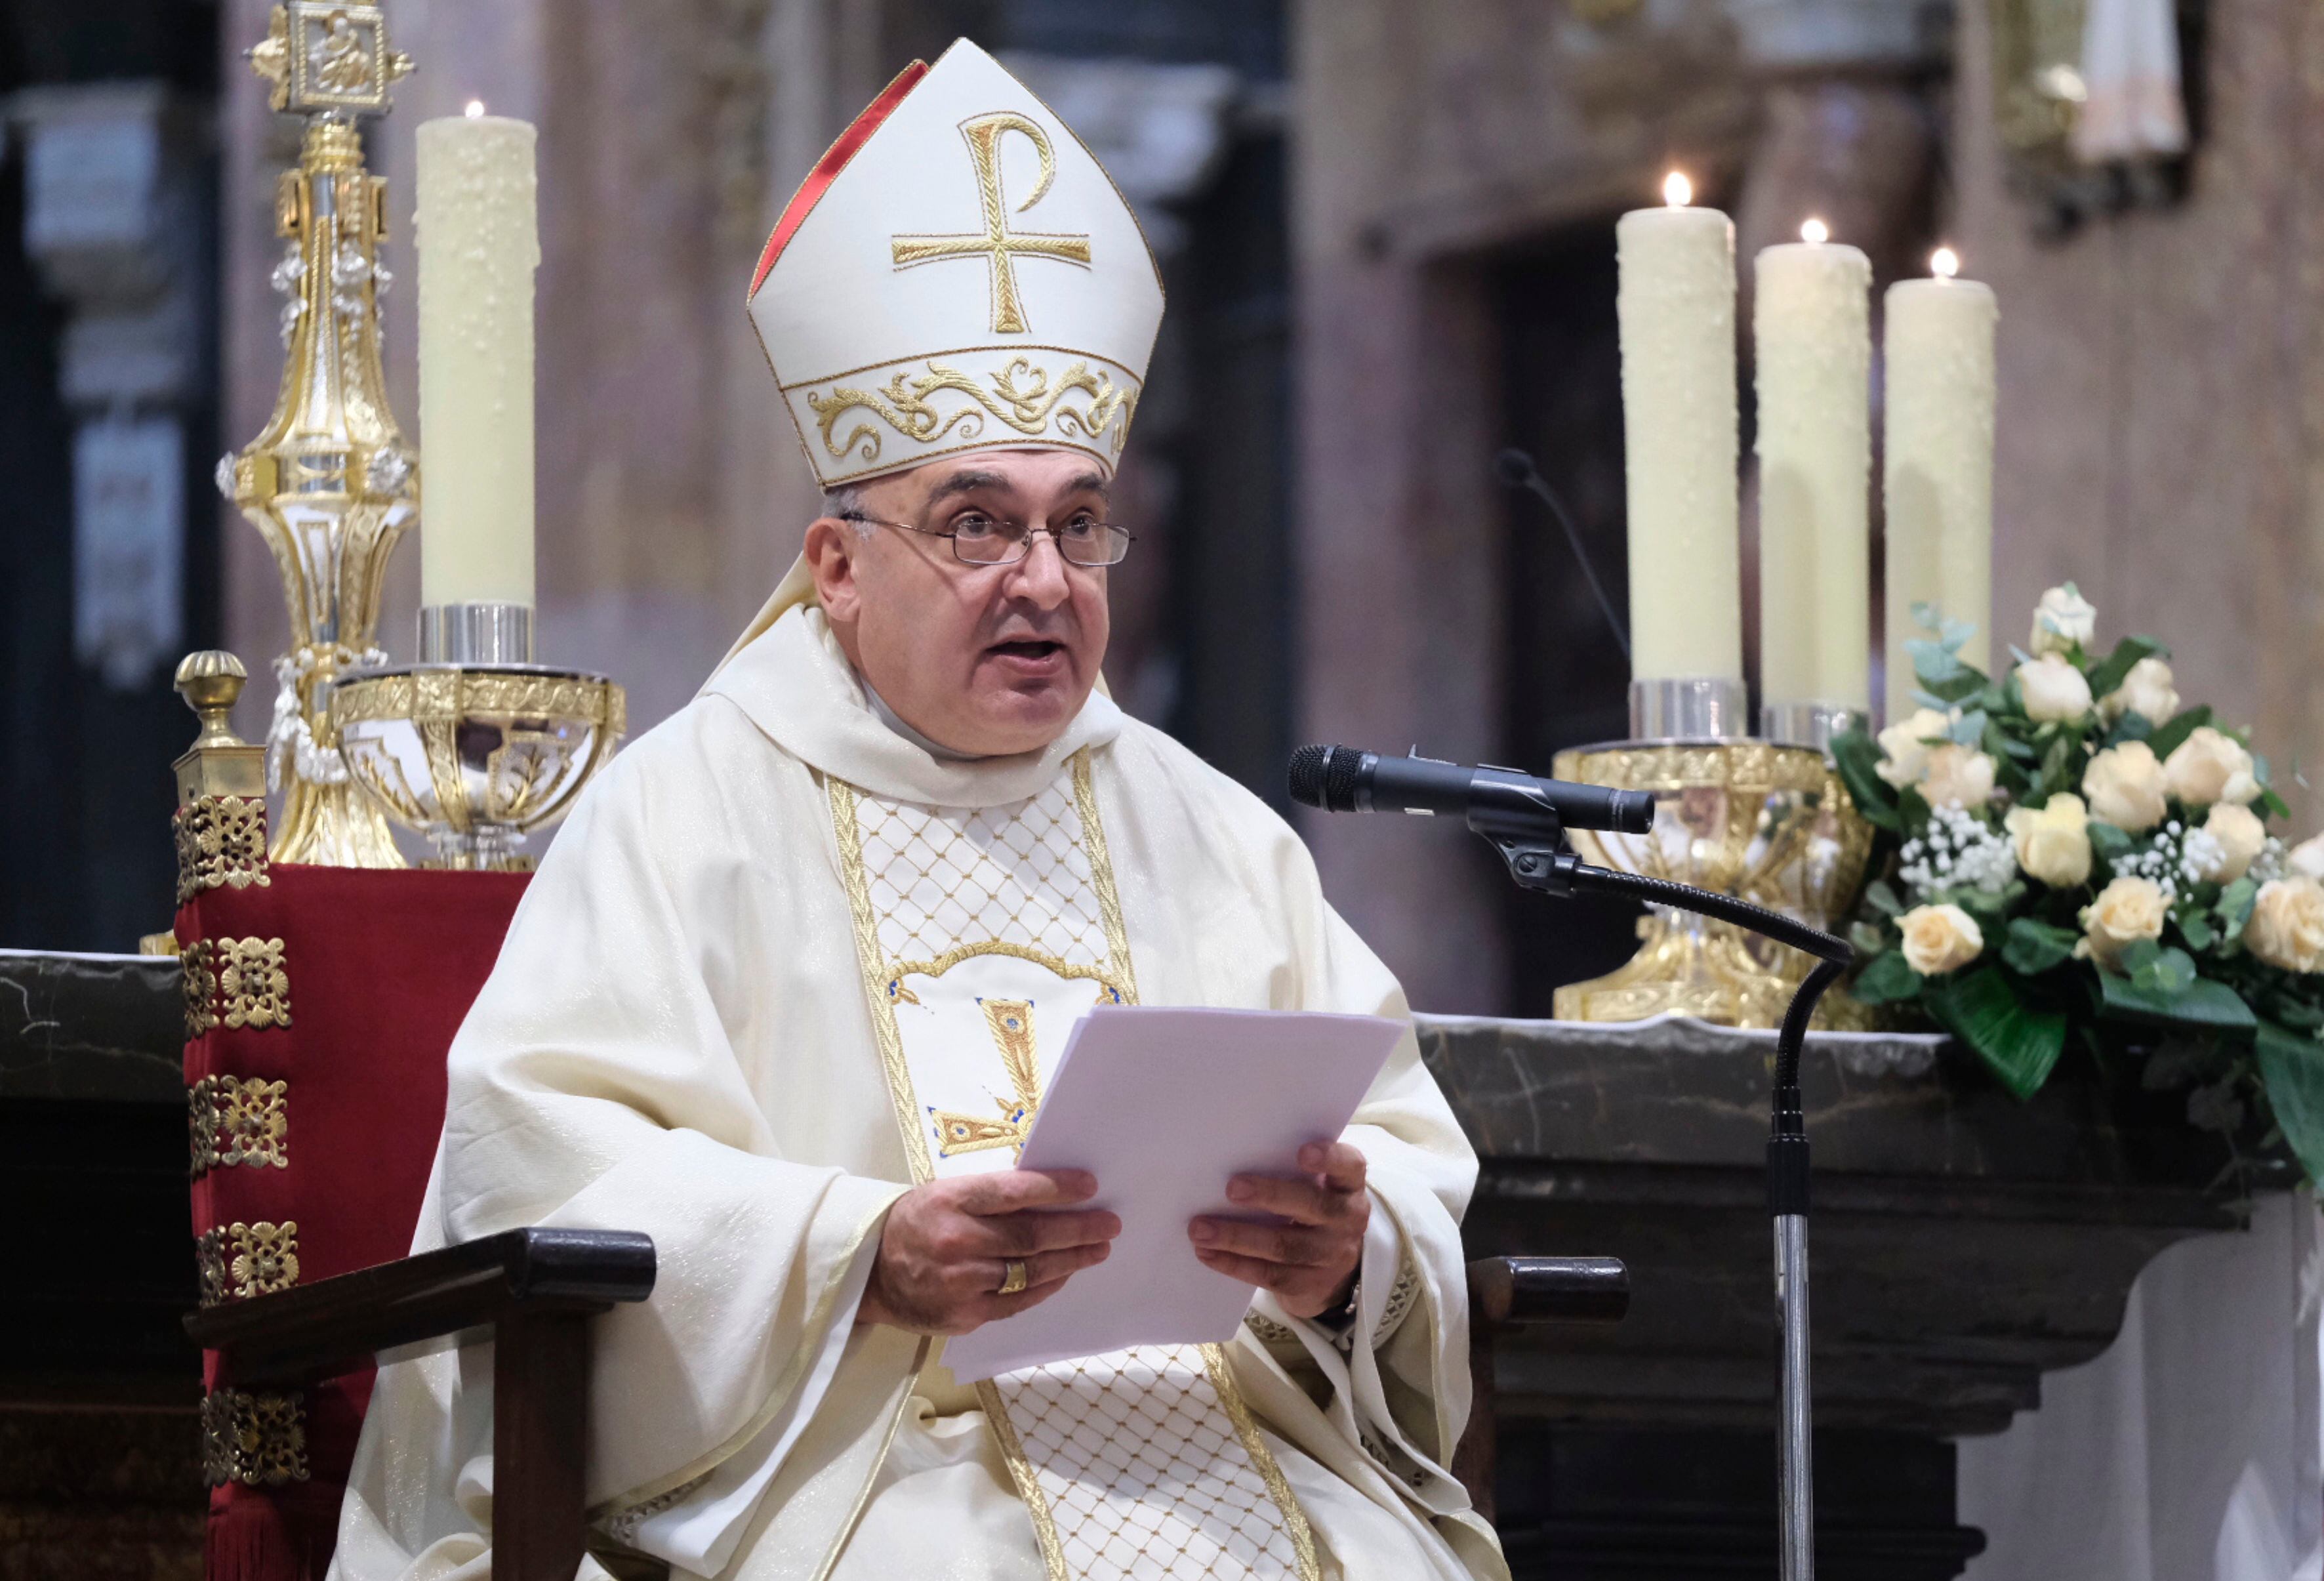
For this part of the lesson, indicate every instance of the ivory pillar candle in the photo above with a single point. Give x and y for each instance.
(479, 245)
(1939, 466)
(1810, 327)
(1676, 305)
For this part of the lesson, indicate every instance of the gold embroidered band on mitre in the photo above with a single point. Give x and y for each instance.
(900, 414)
(1145, 1461)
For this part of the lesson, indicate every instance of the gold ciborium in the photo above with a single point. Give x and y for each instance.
(476, 757)
(1767, 823)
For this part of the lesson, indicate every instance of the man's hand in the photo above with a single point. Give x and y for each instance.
(945, 1250)
(1310, 1262)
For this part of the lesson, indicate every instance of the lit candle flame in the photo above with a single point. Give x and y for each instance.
(1944, 263)
(475, 108)
(1677, 190)
(1815, 230)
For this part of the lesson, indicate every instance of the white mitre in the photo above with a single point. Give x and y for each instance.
(957, 273)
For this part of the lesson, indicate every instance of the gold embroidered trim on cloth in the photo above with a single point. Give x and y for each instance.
(243, 1260)
(1401, 1295)
(256, 1439)
(197, 981)
(221, 841)
(1010, 1021)
(1022, 397)
(883, 990)
(233, 1121)
(252, 983)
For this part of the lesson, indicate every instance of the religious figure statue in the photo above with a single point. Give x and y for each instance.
(786, 992)
(341, 58)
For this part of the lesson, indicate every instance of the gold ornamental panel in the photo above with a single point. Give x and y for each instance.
(257, 1440)
(198, 982)
(252, 983)
(221, 842)
(239, 1261)
(233, 1121)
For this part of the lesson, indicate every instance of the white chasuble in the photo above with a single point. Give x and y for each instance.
(984, 934)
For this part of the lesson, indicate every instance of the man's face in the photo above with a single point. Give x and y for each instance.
(981, 658)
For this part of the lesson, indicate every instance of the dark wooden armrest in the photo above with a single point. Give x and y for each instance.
(1508, 1291)
(322, 1329)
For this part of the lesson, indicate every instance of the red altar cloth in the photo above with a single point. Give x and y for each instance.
(346, 985)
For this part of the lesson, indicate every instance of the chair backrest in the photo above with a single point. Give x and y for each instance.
(319, 1002)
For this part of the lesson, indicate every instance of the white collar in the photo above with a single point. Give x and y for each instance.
(796, 684)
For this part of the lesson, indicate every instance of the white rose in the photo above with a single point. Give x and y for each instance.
(2063, 618)
(2287, 924)
(2147, 689)
(2125, 911)
(2124, 787)
(2053, 689)
(1939, 939)
(2239, 834)
(1905, 747)
(2053, 840)
(2307, 858)
(2210, 766)
(1958, 776)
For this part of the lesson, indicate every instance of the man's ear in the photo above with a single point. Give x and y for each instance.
(830, 552)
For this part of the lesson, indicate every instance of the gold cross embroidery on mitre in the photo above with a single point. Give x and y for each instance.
(1010, 1022)
(997, 243)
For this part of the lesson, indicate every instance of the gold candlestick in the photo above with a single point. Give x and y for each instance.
(330, 480)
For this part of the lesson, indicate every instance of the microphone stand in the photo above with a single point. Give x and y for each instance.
(1538, 859)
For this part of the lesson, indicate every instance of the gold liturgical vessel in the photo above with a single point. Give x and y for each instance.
(1766, 821)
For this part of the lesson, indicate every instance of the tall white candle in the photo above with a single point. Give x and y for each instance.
(1676, 304)
(479, 245)
(1940, 465)
(1811, 325)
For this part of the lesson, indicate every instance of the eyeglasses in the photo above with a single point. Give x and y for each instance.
(983, 541)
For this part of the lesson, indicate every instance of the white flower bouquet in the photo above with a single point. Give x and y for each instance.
(2080, 859)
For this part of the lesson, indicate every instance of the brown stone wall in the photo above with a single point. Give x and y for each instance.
(2162, 386)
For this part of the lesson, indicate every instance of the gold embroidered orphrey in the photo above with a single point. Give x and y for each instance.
(1010, 1021)
(1071, 1493)
(997, 243)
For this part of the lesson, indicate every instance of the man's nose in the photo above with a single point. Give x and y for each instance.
(1041, 577)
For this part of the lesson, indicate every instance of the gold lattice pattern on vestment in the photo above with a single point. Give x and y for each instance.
(233, 1121)
(256, 1439)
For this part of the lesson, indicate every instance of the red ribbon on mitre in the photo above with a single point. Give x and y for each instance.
(833, 161)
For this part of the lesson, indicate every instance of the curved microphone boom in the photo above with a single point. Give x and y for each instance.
(1494, 801)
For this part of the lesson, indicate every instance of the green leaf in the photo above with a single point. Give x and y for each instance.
(2018, 1044)
(2034, 946)
(2197, 928)
(2168, 972)
(1886, 978)
(2273, 806)
(1867, 939)
(2110, 843)
(2137, 955)
(2292, 1068)
(1857, 758)
(1969, 730)
(2131, 726)
(2168, 738)
(2110, 672)
(2203, 1002)
(1927, 617)
(2235, 907)
(1882, 899)
(2058, 765)
(1955, 633)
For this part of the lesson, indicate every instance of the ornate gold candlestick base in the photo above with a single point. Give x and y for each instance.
(1769, 824)
(476, 756)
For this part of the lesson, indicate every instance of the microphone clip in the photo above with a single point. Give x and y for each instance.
(1545, 865)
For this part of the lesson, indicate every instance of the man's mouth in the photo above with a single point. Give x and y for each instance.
(1032, 651)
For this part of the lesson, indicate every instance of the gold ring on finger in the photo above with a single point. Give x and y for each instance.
(1014, 1277)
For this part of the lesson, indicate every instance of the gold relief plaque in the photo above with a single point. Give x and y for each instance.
(252, 983)
(221, 842)
(234, 1121)
(197, 981)
(319, 56)
(259, 1440)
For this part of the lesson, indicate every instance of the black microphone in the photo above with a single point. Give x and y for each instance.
(1494, 801)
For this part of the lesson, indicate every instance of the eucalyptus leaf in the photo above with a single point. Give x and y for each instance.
(1969, 730)
(2132, 726)
(2110, 843)
(1867, 939)
(2168, 738)
(2197, 928)
(2109, 673)
(2203, 1002)
(1886, 978)
(2168, 972)
(2019, 1044)
(2291, 1066)
(2137, 955)
(2235, 907)
(1927, 615)
(1955, 633)
(2035, 947)
(1882, 899)
(1934, 663)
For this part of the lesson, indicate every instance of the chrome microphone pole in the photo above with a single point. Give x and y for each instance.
(1538, 859)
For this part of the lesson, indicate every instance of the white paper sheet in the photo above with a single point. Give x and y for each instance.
(1162, 1105)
